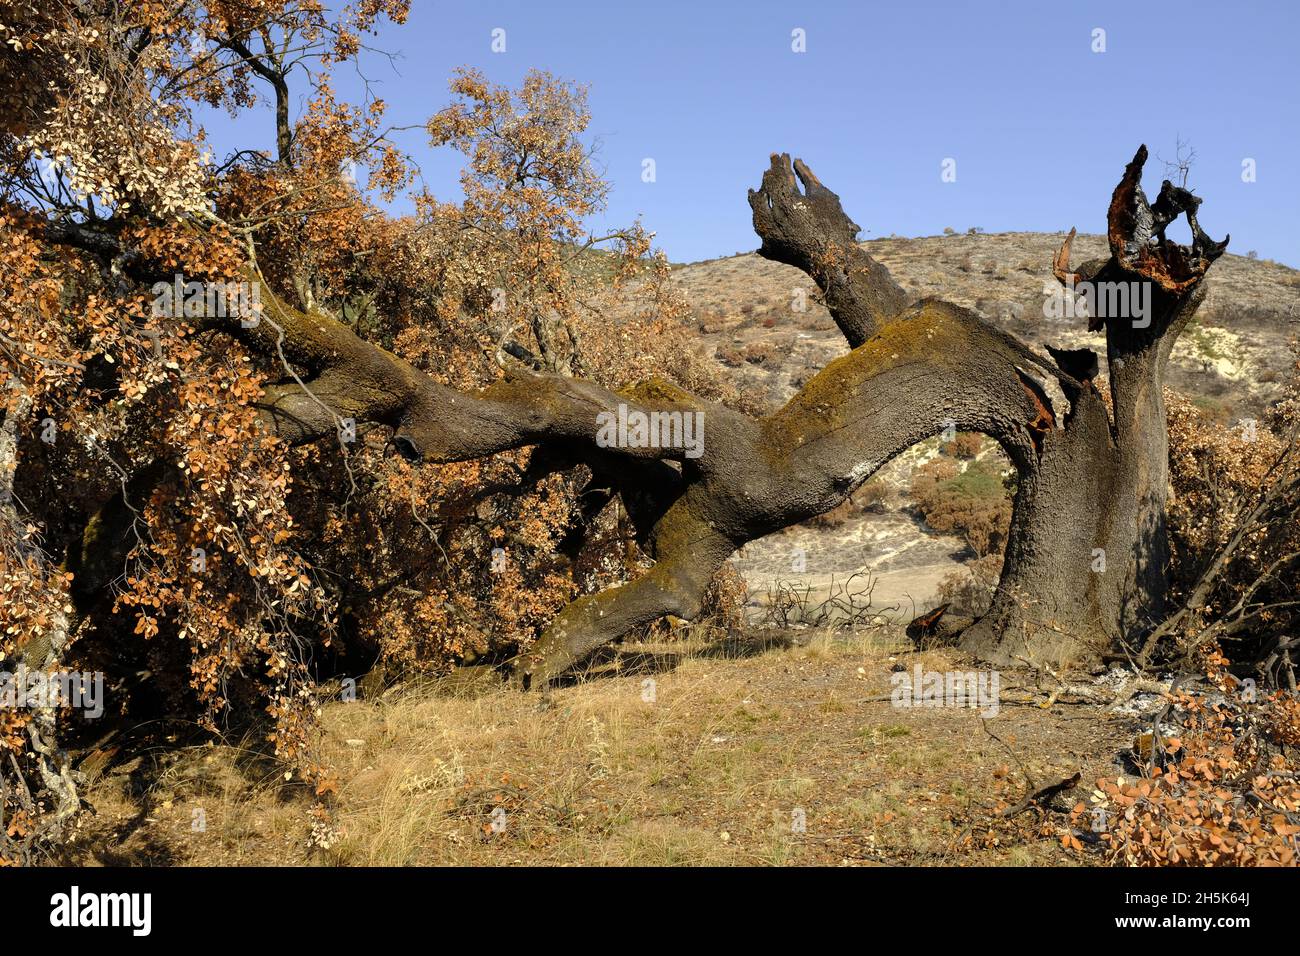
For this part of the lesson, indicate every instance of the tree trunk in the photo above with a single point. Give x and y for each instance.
(1086, 567)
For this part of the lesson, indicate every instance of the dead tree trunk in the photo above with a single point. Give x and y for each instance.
(1092, 471)
(1086, 564)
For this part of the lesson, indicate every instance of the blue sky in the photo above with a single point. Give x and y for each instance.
(1039, 125)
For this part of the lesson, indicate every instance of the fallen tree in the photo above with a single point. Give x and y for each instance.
(1086, 570)
(1087, 561)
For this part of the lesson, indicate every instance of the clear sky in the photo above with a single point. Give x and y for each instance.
(1040, 125)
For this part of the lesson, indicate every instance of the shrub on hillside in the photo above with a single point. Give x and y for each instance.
(974, 504)
(966, 445)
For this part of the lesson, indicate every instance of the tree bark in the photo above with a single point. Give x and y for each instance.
(1086, 567)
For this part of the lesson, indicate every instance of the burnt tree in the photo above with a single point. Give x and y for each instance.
(1092, 463)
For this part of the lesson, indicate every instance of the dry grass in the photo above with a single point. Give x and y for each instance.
(737, 745)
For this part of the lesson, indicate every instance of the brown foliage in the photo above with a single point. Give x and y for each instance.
(198, 547)
(972, 503)
(1224, 792)
(1235, 537)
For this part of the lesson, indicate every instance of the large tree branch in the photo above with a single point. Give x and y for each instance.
(348, 377)
(810, 230)
(675, 585)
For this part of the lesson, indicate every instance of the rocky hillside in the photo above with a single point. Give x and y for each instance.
(762, 323)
